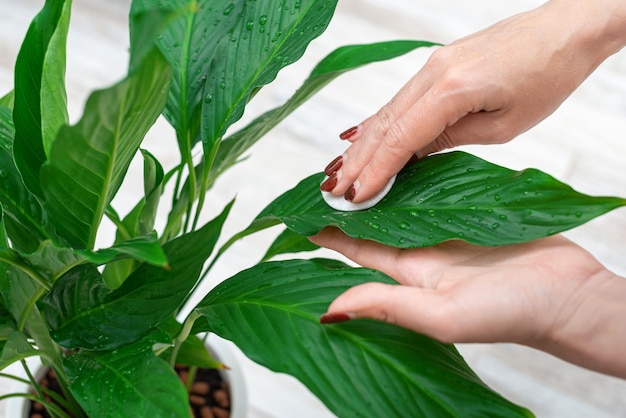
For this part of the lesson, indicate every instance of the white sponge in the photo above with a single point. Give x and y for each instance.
(340, 203)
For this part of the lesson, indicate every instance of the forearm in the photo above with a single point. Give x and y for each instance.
(593, 332)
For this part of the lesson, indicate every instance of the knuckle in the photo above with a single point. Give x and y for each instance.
(445, 141)
(384, 118)
(396, 137)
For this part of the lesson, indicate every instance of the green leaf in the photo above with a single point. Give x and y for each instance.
(289, 242)
(128, 382)
(24, 214)
(146, 248)
(189, 43)
(15, 349)
(82, 312)
(19, 293)
(89, 160)
(40, 107)
(7, 100)
(153, 181)
(332, 66)
(145, 28)
(448, 196)
(358, 369)
(268, 36)
(53, 261)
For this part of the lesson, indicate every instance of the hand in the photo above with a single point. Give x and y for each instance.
(549, 294)
(483, 89)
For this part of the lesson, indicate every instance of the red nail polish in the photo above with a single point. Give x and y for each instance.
(348, 133)
(330, 183)
(334, 318)
(350, 193)
(334, 166)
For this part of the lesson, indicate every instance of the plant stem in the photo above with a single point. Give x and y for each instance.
(50, 406)
(193, 181)
(21, 324)
(206, 171)
(183, 335)
(121, 228)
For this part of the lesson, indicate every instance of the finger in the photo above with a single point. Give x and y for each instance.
(413, 131)
(367, 137)
(421, 310)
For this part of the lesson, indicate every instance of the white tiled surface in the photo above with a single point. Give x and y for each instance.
(583, 143)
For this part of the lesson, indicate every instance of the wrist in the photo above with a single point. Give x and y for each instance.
(597, 27)
(592, 331)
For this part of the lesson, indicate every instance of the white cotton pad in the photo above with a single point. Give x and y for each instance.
(340, 203)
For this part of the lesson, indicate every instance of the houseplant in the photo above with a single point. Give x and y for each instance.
(115, 308)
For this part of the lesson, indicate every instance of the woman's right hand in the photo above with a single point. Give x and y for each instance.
(485, 88)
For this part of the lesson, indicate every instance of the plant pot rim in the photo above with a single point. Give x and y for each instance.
(17, 407)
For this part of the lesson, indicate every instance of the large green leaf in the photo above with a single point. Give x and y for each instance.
(40, 107)
(332, 66)
(268, 36)
(128, 382)
(358, 369)
(448, 196)
(52, 261)
(24, 214)
(189, 42)
(82, 312)
(89, 160)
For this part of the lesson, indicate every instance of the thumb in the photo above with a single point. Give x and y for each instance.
(420, 310)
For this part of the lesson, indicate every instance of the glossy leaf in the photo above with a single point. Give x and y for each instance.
(40, 107)
(82, 312)
(7, 100)
(53, 261)
(289, 242)
(332, 66)
(89, 160)
(18, 292)
(269, 36)
(448, 196)
(24, 215)
(358, 369)
(153, 183)
(146, 248)
(15, 349)
(128, 382)
(189, 42)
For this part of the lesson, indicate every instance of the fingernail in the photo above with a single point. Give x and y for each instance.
(334, 165)
(349, 133)
(351, 192)
(330, 183)
(334, 318)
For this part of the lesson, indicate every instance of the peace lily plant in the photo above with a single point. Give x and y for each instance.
(108, 320)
